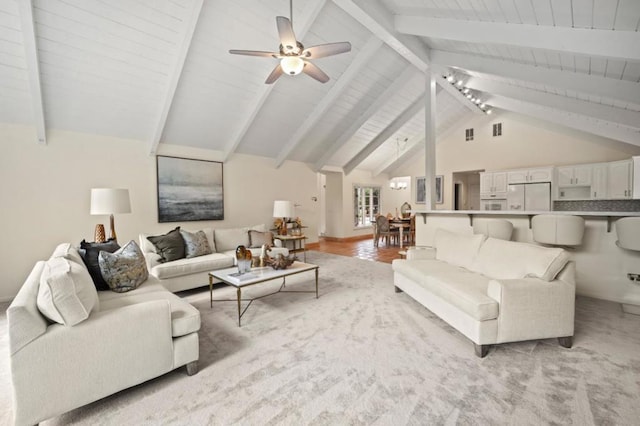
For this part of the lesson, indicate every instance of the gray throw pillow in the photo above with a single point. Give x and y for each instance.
(125, 269)
(195, 244)
(257, 238)
(169, 246)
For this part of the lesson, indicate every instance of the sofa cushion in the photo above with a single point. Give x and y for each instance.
(185, 319)
(66, 294)
(193, 265)
(68, 251)
(152, 284)
(501, 259)
(457, 249)
(89, 253)
(461, 288)
(258, 238)
(229, 239)
(195, 244)
(169, 246)
(125, 269)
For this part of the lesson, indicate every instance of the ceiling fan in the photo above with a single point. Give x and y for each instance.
(294, 57)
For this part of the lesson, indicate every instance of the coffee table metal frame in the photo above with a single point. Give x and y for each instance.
(272, 274)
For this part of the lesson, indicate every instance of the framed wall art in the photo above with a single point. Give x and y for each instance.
(421, 193)
(189, 190)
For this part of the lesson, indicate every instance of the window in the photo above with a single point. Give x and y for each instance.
(468, 134)
(366, 204)
(497, 129)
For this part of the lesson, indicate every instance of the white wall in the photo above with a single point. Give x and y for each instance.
(524, 143)
(45, 193)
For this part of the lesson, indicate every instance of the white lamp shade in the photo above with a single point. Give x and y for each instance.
(110, 201)
(282, 209)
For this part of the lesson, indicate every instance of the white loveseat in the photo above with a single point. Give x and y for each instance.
(491, 290)
(125, 339)
(184, 274)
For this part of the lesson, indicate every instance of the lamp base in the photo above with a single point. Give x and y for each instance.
(283, 230)
(99, 235)
(112, 236)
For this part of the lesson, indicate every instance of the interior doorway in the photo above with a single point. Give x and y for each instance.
(466, 190)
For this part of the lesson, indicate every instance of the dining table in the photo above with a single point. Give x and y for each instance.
(401, 224)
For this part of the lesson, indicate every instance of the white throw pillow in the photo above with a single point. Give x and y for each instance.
(66, 294)
(68, 251)
(502, 259)
(457, 249)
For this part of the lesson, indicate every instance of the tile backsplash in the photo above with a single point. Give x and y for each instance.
(598, 205)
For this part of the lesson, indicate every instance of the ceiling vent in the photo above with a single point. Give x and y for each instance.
(497, 129)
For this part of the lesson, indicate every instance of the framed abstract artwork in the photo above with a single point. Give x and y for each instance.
(439, 188)
(189, 190)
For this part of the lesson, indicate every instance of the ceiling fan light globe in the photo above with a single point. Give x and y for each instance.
(292, 65)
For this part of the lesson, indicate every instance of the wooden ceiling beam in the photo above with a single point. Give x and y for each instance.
(602, 112)
(303, 24)
(581, 41)
(174, 77)
(354, 69)
(391, 90)
(385, 134)
(567, 119)
(33, 67)
(626, 91)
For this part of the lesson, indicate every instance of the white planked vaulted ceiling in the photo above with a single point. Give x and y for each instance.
(160, 71)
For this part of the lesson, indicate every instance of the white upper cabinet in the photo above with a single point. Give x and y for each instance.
(599, 181)
(493, 185)
(574, 175)
(541, 174)
(620, 179)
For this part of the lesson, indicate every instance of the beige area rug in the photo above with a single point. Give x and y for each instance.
(362, 354)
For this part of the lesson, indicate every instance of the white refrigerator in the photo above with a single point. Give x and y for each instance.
(529, 197)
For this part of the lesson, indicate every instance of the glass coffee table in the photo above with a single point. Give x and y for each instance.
(231, 277)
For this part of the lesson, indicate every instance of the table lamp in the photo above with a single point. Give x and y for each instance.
(283, 210)
(110, 201)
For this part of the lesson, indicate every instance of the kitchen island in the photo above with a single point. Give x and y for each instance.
(601, 266)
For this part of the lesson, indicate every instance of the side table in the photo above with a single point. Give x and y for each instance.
(297, 241)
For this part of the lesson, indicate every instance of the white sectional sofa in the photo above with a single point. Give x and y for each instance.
(492, 291)
(107, 341)
(184, 274)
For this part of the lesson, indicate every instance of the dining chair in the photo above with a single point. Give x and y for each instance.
(384, 229)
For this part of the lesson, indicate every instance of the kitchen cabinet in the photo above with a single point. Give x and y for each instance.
(599, 181)
(575, 175)
(619, 180)
(493, 185)
(537, 175)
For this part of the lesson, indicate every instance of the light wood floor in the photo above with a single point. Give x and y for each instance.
(362, 249)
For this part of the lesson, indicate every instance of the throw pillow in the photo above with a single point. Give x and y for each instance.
(257, 238)
(195, 244)
(89, 253)
(169, 246)
(125, 269)
(457, 249)
(66, 294)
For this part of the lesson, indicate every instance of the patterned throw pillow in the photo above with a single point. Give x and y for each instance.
(125, 269)
(89, 253)
(257, 238)
(195, 244)
(169, 246)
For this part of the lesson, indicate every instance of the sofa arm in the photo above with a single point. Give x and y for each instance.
(421, 253)
(531, 308)
(68, 367)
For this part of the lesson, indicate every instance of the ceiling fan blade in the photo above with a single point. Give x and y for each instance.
(315, 72)
(254, 53)
(285, 31)
(275, 74)
(322, 50)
